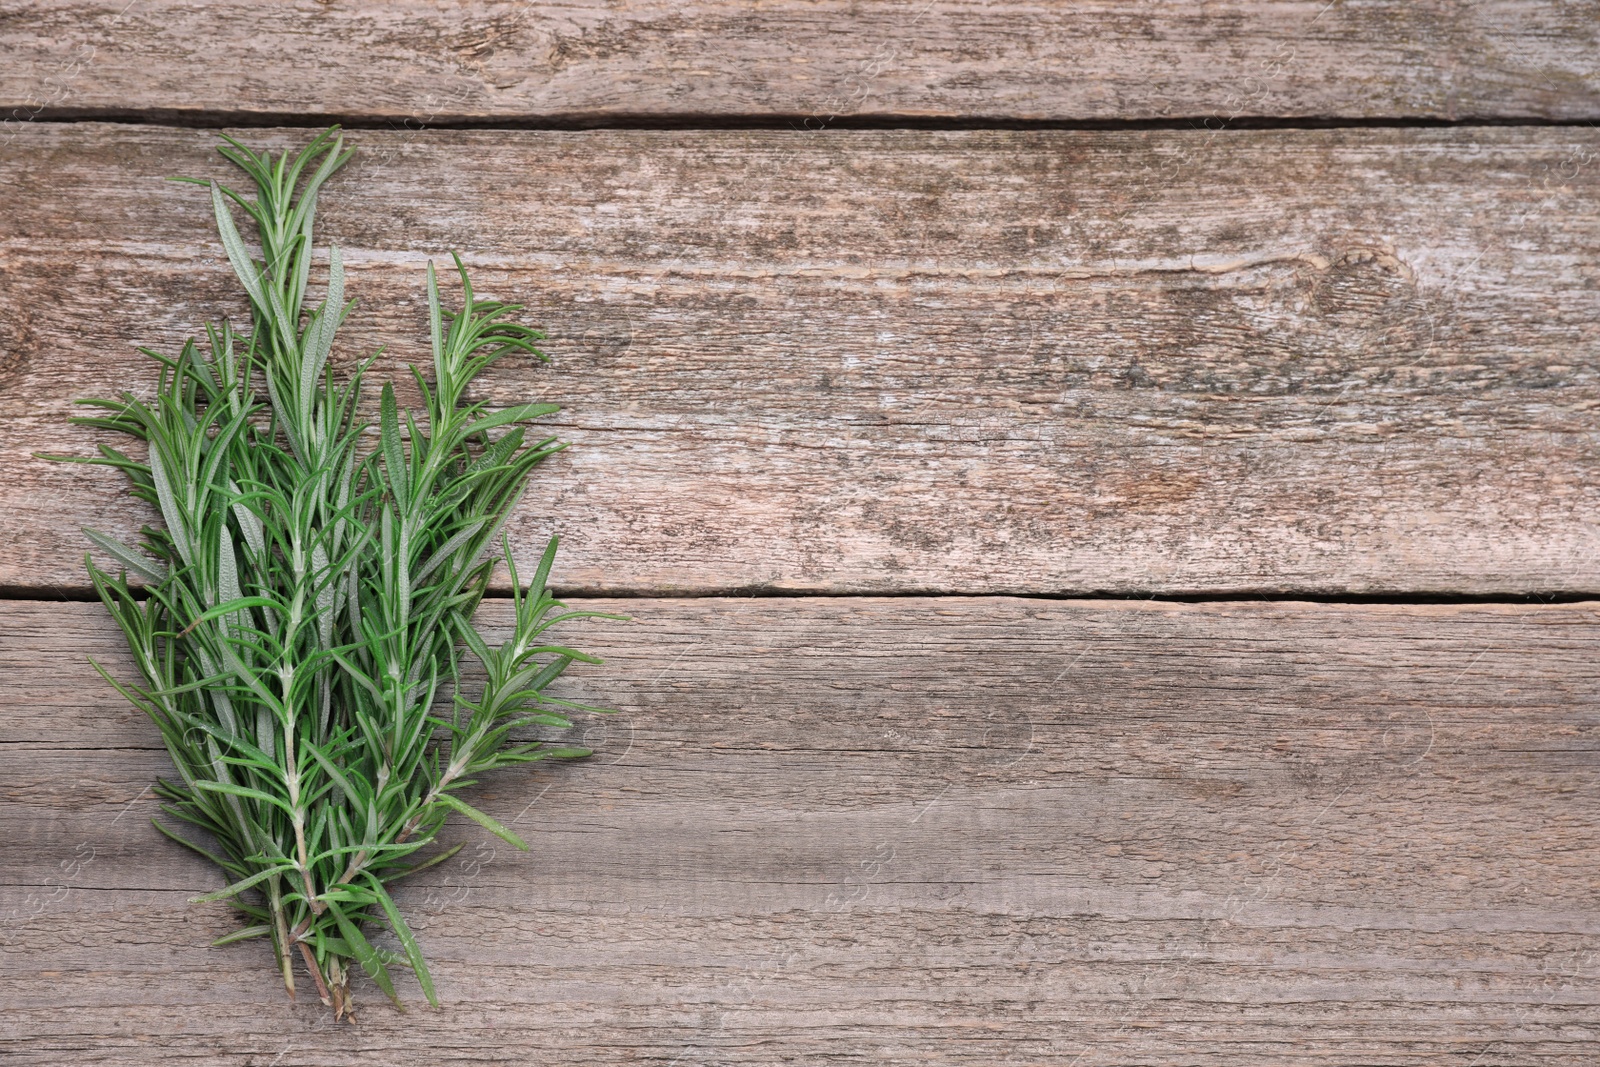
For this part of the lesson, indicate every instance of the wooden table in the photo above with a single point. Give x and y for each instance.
(1108, 495)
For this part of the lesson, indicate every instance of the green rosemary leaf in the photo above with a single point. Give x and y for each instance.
(546, 720)
(240, 886)
(143, 566)
(244, 268)
(177, 527)
(260, 930)
(488, 822)
(431, 861)
(232, 606)
(408, 941)
(518, 414)
(318, 341)
(364, 953)
(207, 853)
(240, 791)
(393, 455)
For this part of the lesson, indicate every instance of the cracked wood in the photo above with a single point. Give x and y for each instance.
(956, 831)
(1330, 361)
(814, 62)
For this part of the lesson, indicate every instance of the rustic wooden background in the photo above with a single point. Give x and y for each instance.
(1108, 491)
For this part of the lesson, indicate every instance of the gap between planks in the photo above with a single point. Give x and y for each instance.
(502, 593)
(413, 123)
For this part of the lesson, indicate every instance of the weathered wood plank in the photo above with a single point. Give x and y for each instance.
(811, 60)
(972, 830)
(896, 360)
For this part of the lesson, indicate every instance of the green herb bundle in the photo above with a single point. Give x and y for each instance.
(306, 608)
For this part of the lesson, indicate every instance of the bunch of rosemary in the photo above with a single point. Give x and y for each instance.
(305, 608)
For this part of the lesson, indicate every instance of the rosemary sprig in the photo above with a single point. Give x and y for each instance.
(306, 605)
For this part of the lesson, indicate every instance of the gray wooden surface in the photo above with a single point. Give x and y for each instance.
(957, 830)
(1247, 365)
(1023, 362)
(814, 62)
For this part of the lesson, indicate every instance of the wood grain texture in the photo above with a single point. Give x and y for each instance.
(951, 831)
(815, 61)
(1007, 362)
